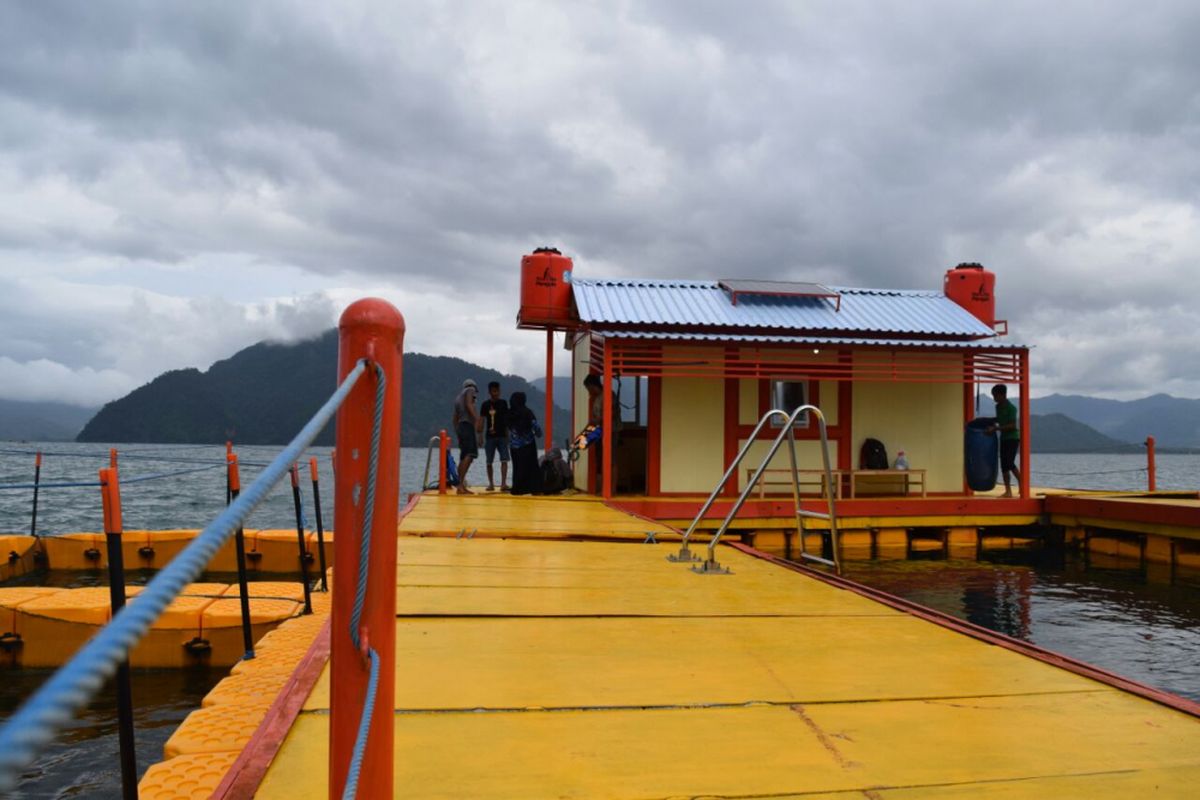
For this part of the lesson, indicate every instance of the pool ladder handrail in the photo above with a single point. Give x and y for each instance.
(434, 441)
(710, 565)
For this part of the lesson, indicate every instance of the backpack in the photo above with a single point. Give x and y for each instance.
(873, 455)
(555, 472)
(552, 480)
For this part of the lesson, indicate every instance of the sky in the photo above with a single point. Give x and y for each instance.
(181, 180)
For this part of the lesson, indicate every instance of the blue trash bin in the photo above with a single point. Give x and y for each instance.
(981, 454)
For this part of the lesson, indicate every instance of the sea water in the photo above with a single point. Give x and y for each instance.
(1140, 622)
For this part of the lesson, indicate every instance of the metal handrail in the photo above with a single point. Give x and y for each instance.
(684, 553)
(433, 440)
(710, 564)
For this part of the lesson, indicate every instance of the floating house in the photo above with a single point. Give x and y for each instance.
(690, 366)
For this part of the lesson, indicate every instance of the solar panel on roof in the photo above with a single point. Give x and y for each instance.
(752, 288)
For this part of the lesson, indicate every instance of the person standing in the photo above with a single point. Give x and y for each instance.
(466, 423)
(1010, 436)
(494, 413)
(523, 431)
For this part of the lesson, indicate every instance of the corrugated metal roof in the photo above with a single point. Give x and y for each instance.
(810, 341)
(704, 303)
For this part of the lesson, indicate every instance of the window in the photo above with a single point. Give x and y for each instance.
(788, 396)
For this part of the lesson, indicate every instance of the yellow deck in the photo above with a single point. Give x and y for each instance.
(494, 514)
(549, 668)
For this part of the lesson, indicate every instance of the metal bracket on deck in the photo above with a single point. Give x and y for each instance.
(684, 555)
(650, 538)
(711, 567)
(463, 534)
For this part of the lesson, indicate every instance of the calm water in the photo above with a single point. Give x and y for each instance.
(1141, 623)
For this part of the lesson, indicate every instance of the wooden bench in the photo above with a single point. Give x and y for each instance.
(906, 478)
(807, 477)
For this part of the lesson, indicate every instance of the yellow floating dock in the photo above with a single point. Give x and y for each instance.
(267, 551)
(531, 668)
(43, 626)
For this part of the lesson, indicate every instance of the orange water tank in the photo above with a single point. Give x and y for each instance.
(973, 288)
(545, 289)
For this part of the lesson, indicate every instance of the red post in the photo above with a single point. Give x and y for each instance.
(1151, 477)
(609, 427)
(443, 451)
(1025, 433)
(548, 422)
(112, 457)
(371, 329)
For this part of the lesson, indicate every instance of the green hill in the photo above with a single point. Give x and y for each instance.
(1173, 421)
(41, 422)
(265, 393)
(1058, 433)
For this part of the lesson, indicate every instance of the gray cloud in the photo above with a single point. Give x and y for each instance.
(226, 155)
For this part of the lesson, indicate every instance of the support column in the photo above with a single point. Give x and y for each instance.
(607, 433)
(1025, 466)
(548, 422)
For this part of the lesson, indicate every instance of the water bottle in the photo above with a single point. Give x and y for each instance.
(901, 460)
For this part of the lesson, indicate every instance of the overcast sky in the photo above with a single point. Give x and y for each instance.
(181, 180)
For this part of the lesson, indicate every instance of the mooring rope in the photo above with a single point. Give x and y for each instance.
(70, 687)
(360, 595)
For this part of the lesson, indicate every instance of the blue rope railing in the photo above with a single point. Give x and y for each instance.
(124, 481)
(68, 689)
(360, 595)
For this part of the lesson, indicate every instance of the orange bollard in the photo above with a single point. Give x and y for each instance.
(443, 450)
(1151, 477)
(112, 458)
(371, 329)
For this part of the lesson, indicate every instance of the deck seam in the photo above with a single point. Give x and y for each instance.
(415, 712)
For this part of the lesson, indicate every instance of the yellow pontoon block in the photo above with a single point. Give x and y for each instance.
(46, 625)
(267, 551)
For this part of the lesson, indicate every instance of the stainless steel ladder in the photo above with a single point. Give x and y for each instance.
(434, 441)
(709, 565)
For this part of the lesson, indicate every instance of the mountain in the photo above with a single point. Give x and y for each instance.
(41, 422)
(1058, 433)
(265, 393)
(562, 390)
(1172, 421)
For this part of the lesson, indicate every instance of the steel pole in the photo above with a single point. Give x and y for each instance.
(234, 482)
(295, 472)
(313, 473)
(110, 493)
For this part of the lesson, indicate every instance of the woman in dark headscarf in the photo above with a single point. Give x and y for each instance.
(523, 431)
